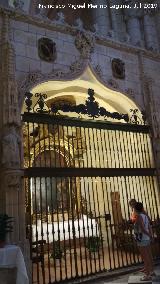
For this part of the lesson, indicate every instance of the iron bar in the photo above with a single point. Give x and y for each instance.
(84, 172)
(97, 124)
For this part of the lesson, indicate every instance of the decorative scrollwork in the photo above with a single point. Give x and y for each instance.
(41, 103)
(40, 106)
(137, 117)
(85, 43)
(28, 101)
(90, 108)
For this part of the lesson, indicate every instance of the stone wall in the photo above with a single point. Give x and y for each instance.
(25, 41)
(141, 66)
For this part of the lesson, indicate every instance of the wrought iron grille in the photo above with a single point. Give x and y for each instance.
(91, 108)
(79, 176)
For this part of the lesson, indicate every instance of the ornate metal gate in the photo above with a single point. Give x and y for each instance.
(79, 177)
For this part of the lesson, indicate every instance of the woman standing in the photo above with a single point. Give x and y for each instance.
(133, 216)
(143, 236)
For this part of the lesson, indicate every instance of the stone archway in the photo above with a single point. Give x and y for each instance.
(80, 77)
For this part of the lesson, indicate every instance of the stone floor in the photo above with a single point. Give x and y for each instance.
(129, 278)
(132, 278)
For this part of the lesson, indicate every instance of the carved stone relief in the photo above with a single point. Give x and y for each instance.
(31, 79)
(85, 43)
(13, 180)
(18, 4)
(113, 84)
(76, 66)
(79, 24)
(118, 68)
(36, 77)
(99, 71)
(9, 94)
(60, 18)
(47, 49)
(11, 148)
(130, 92)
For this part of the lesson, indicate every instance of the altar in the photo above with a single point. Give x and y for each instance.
(64, 230)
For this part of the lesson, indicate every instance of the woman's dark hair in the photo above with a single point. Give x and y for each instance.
(132, 201)
(139, 207)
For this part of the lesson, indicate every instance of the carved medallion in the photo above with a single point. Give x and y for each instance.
(118, 68)
(47, 49)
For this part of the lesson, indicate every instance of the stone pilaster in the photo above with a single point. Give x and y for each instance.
(33, 6)
(150, 33)
(133, 26)
(9, 108)
(12, 196)
(101, 17)
(14, 200)
(157, 20)
(117, 21)
(152, 107)
(10, 112)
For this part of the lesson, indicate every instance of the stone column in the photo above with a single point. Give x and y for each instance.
(13, 205)
(12, 192)
(152, 106)
(101, 17)
(133, 26)
(14, 199)
(117, 21)
(157, 20)
(150, 33)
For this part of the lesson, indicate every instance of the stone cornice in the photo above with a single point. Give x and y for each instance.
(37, 21)
(128, 48)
